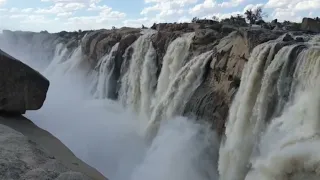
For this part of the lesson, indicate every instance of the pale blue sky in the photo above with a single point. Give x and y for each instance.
(58, 15)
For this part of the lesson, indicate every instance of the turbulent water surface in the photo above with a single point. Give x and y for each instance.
(272, 131)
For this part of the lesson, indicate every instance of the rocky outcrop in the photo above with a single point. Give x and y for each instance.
(21, 158)
(97, 43)
(170, 27)
(21, 87)
(310, 25)
(212, 100)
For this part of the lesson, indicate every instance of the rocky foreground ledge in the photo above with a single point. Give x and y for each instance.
(26, 151)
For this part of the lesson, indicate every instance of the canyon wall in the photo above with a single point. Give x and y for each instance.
(230, 50)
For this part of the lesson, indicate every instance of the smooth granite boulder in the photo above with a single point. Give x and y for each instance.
(21, 87)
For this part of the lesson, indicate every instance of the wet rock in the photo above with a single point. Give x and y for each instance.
(21, 87)
(98, 43)
(287, 37)
(161, 41)
(212, 100)
(124, 43)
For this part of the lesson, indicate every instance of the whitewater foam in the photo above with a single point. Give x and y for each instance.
(110, 138)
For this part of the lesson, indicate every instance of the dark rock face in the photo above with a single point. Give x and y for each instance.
(206, 21)
(124, 43)
(212, 100)
(21, 87)
(161, 41)
(98, 43)
(182, 27)
(310, 25)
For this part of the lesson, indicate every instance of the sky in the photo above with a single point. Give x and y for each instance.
(70, 15)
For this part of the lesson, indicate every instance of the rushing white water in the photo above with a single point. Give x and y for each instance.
(110, 138)
(272, 131)
(286, 94)
(106, 67)
(163, 97)
(236, 150)
(178, 93)
(132, 82)
(173, 61)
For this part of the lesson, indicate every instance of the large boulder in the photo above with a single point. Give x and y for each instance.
(21, 87)
(310, 25)
(21, 158)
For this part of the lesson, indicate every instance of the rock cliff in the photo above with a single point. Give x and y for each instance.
(231, 47)
(311, 25)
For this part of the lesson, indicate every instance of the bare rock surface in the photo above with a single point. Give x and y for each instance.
(28, 152)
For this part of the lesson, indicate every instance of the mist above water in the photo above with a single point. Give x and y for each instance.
(110, 138)
(272, 131)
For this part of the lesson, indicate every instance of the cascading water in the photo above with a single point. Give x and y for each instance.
(178, 92)
(272, 131)
(132, 85)
(173, 61)
(289, 147)
(284, 95)
(106, 67)
(110, 138)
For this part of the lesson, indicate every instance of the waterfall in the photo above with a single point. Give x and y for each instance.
(106, 67)
(148, 80)
(290, 145)
(272, 129)
(111, 137)
(133, 82)
(273, 115)
(178, 93)
(147, 94)
(173, 61)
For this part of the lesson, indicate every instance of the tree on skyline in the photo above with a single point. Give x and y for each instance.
(255, 15)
